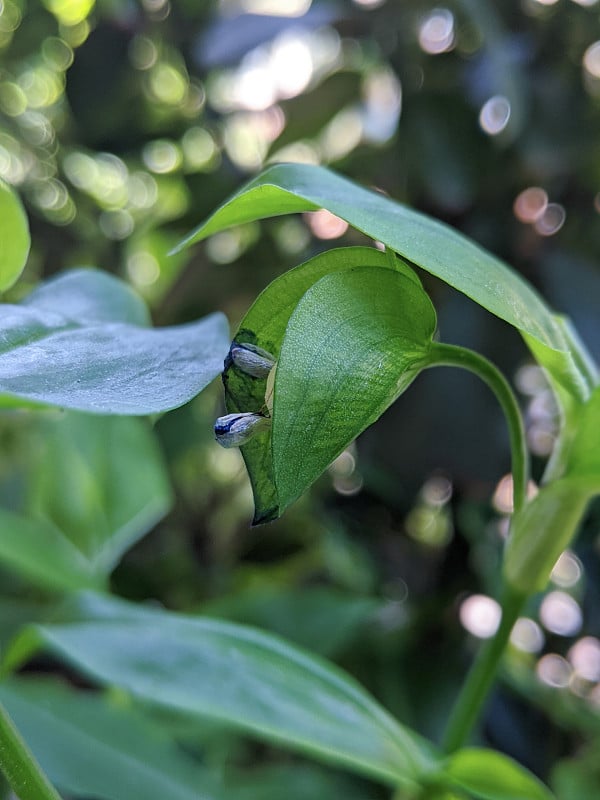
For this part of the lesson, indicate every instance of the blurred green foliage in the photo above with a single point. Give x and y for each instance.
(124, 123)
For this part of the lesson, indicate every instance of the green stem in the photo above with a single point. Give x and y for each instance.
(18, 764)
(442, 355)
(482, 674)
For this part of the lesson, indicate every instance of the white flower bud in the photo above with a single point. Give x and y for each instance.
(251, 359)
(234, 430)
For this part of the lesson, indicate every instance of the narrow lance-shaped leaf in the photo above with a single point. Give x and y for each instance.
(264, 325)
(354, 343)
(98, 355)
(437, 248)
(245, 678)
(14, 237)
(487, 775)
(89, 747)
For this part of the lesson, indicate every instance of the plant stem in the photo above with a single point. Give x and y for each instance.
(482, 674)
(453, 356)
(18, 764)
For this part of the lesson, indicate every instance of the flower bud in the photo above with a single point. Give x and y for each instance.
(234, 430)
(251, 359)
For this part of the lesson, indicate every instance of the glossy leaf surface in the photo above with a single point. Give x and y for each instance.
(355, 341)
(238, 675)
(488, 775)
(437, 248)
(14, 237)
(264, 325)
(91, 748)
(81, 342)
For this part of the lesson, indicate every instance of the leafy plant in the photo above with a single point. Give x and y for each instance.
(324, 350)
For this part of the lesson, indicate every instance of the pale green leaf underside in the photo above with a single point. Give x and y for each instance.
(488, 775)
(437, 248)
(14, 237)
(355, 341)
(265, 325)
(90, 748)
(96, 354)
(238, 675)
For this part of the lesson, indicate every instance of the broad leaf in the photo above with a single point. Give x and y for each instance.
(14, 237)
(93, 486)
(89, 747)
(82, 343)
(584, 456)
(264, 325)
(488, 775)
(437, 248)
(356, 341)
(252, 681)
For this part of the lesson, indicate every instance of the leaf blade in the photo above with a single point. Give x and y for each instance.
(243, 677)
(14, 237)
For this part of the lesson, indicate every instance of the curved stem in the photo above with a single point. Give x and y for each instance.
(442, 355)
(482, 674)
(24, 774)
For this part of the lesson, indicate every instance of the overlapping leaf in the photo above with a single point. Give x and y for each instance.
(14, 237)
(82, 342)
(265, 325)
(437, 248)
(250, 680)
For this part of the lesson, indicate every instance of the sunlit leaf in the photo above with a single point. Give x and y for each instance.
(250, 680)
(91, 748)
(264, 325)
(356, 341)
(437, 248)
(488, 775)
(14, 237)
(96, 354)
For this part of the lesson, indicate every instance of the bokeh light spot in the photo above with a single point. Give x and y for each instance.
(480, 615)
(436, 32)
(551, 221)
(554, 670)
(494, 115)
(527, 635)
(560, 614)
(530, 204)
(326, 225)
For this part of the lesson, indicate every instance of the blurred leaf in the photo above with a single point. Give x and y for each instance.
(300, 782)
(291, 188)
(322, 620)
(14, 237)
(584, 456)
(264, 325)
(251, 680)
(87, 360)
(578, 778)
(488, 775)
(90, 748)
(355, 342)
(543, 529)
(308, 113)
(97, 485)
(23, 540)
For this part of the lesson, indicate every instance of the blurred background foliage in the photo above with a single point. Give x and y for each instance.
(122, 124)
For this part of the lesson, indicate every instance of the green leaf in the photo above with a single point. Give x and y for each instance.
(81, 342)
(355, 342)
(584, 456)
(91, 748)
(437, 248)
(488, 775)
(95, 485)
(63, 566)
(14, 237)
(543, 529)
(264, 325)
(250, 680)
